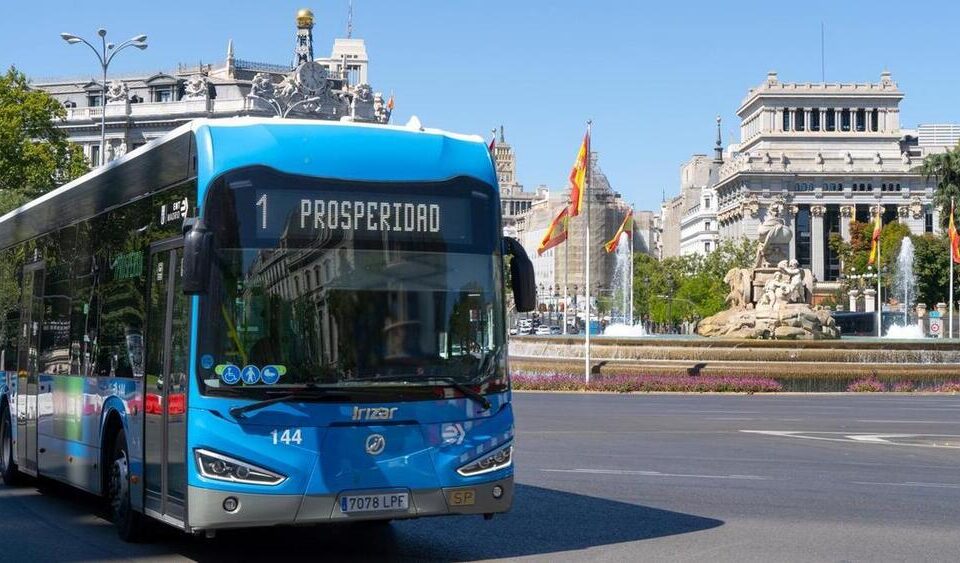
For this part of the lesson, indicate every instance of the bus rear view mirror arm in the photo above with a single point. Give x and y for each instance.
(521, 275)
(197, 255)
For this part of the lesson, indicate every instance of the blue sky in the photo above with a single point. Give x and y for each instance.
(652, 78)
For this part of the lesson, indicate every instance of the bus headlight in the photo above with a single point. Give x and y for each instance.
(223, 468)
(500, 458)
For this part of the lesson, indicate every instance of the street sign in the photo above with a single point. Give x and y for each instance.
(934, 314)
(936, 327)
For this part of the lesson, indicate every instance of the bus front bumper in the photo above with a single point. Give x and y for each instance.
(205, 507)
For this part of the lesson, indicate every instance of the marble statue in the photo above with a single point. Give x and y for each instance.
(117, 92)
(773, 299)
(197, 88)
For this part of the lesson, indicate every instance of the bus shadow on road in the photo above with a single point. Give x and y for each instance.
(543, 521)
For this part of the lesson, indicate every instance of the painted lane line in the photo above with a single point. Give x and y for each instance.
(912, 484)
(953, 441)
(911, 421)
(656, 474)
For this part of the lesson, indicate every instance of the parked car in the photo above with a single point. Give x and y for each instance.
(555, 330)
(514, 331)
(543, 330)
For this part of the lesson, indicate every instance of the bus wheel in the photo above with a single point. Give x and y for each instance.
(130, 524)
(8, 469)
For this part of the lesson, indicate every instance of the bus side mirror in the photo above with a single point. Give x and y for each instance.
(197, 255)
(521, 275)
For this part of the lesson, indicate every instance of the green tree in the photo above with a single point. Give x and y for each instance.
(35, 156)
(931, 265)
(687, 287)
(945, 169)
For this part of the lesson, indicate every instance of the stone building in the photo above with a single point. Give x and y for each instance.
(514, 201)
(564, 264)
(145, 106)
(688, 220)
(821, 155)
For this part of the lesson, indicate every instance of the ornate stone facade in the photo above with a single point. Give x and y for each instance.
(142, 107)
(824, 154)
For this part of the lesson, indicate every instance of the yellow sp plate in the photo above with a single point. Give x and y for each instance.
(464, 497)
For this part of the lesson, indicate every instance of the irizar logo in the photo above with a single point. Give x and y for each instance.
(373, 413)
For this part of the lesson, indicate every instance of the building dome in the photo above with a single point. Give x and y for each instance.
(304, 18)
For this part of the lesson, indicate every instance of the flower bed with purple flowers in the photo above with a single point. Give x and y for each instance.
(873, 385)
(643, 383)
(549, 381)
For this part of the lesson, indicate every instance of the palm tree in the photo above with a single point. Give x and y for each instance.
(945, 167)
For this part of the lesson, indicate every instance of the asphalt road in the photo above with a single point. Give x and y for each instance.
(640, 477)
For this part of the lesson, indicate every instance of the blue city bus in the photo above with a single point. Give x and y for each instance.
(254, 322)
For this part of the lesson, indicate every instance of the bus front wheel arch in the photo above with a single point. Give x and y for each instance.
(131, 525)
(9, 473)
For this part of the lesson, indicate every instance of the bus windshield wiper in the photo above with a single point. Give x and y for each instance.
(240, 412)
(446, 379)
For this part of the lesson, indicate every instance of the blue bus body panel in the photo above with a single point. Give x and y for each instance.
(425, 445)
(346, 152)
(426, 441)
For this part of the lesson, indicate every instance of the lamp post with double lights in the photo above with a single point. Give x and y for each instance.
(105, 57)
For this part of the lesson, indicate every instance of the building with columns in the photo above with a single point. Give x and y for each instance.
(144, 106)
(820, 155)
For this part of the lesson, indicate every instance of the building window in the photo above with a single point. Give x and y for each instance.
(786, 120)
(800, 119)
(928, 220)
(706, 225)
(815, 119)
(845, 120)
(831, 120)
(706, 246)
(94, 155)
(706, 203)
(803, 235)
(163, 94)
(861, 120)
(93, 100)
(875, 120)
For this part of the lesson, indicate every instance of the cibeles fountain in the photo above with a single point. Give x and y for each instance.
(773, 299)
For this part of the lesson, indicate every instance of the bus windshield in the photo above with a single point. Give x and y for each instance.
(318, 282)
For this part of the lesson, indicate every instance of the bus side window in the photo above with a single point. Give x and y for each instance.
(57, 293)
(9, 310)
(84, 311)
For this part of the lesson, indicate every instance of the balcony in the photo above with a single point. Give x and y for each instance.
(153, 110)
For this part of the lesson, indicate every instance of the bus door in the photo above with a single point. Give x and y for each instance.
(165, 385)
(31, 316)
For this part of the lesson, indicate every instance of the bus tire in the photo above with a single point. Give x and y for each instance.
(8, 469)
(131, 525)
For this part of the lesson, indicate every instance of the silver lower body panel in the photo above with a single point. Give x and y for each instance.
(205, 506)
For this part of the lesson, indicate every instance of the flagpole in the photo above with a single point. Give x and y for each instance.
(879, 300)
(586, 248)
(633, 222)
(566, 276)
(950, 295)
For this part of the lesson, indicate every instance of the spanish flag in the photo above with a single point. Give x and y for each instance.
(954, 238)
(556, 233)
(877, 227)
(578, 176)
(625, 227)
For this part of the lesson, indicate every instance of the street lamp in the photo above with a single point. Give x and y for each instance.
(105, 57)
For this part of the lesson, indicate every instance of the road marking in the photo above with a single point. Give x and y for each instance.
(951, 441)
(911, 421)
(730, 418)
(911, 484)
(656, 474)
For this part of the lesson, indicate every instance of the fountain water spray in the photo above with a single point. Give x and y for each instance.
(622, 282)
(905, 288)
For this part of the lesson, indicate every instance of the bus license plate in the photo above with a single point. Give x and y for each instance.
(374, 503)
